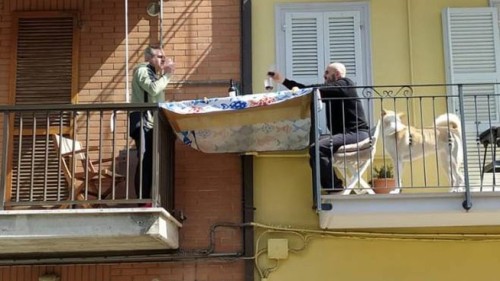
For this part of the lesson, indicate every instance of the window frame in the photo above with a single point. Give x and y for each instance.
(363, 8)
(454, 75)
(13, 87)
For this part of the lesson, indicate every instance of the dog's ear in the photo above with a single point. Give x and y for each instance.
(401, 114)
(384, 112)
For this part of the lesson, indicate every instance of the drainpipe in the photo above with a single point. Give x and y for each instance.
(247, 160)
(161, 23)
(246, 46)
(127, 90)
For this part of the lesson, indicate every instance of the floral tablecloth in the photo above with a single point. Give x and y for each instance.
(259, 122)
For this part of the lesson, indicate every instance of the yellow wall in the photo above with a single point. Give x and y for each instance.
(346, 259)
(402, 53)
(405, 49)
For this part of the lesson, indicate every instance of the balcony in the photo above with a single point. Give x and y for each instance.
(426, 196)
(52, 203)
(67, 182)
(55, 199)
(430, 194)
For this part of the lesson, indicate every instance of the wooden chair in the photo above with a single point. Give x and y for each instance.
(85, 177)
(353, 160)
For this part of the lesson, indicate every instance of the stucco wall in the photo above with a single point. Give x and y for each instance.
(407, 47)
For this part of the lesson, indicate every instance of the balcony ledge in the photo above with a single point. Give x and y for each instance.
(409, 211)
(87, 230)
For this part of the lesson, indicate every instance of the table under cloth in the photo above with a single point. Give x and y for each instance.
(278, 121)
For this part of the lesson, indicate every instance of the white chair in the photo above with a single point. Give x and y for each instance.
(89, 180)
(352, 160)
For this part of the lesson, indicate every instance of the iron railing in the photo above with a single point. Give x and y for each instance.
(426, 155)
(91, 163)
(32, 171)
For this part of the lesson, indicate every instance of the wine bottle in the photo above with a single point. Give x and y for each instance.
(232, 89)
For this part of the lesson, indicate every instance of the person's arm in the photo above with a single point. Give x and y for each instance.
(149, 83)
(289, 84)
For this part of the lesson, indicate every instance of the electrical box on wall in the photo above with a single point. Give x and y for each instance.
(277, 248)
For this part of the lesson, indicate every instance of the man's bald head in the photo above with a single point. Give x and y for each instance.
(334, 71)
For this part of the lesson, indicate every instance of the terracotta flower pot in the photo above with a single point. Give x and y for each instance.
(383, 186)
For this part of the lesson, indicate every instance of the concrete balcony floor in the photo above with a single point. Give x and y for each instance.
(409, 211)
(87, 230)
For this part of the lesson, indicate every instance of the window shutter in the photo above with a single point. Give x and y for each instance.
(38, 158)
(471, 55)
(314, 40)
(471, 42)
(44, 60)
(304, 47)
(496, 5)
(45, 53)
(343, 37)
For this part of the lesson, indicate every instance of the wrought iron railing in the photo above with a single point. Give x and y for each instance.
(33, 173)
(428, 158)
(80, 156)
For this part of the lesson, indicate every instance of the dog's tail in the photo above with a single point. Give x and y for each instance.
(449, 120)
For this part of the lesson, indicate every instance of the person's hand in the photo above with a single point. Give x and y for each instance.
(277, 77)
(169, 66)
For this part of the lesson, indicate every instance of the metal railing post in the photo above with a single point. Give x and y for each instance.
(167, 165)
(467, 204)
(5, 157)
(316, 186)
(155, 165)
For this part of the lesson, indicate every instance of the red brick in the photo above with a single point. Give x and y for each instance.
(203, 38)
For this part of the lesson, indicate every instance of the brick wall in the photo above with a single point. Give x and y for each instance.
(198, 271)
(203, 38)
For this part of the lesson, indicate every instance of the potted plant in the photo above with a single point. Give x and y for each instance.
(383, 180)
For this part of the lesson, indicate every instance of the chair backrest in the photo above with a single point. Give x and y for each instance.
(63, 146)
(375, 132)
(67, 149)
(66, 145)
(322, 123)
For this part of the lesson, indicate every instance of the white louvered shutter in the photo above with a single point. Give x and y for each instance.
(44, 75)
(304, 53)
(343, 41)
(315, 39)
(471, 53)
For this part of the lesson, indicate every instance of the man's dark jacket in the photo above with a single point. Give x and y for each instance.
(344, 108)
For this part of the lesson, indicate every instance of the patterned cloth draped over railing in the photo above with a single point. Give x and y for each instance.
(259, 122)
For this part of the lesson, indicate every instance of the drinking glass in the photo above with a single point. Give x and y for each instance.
(269, 84)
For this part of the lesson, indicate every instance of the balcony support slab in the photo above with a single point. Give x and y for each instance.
(409, 211)
(87, 230)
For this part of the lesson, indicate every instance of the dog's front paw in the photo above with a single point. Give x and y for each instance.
(457, 189)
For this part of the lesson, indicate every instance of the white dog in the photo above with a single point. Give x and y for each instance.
(407, 143)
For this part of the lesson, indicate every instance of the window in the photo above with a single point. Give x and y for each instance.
(496, 4)
(45, 73)
(308, 41)
(471, 44)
